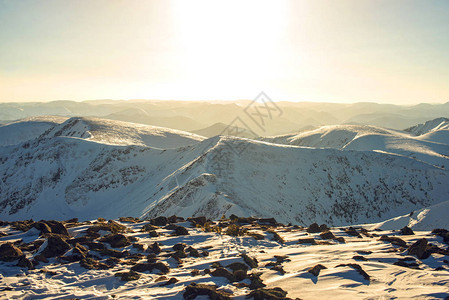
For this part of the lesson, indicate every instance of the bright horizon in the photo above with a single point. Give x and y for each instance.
(323, 51)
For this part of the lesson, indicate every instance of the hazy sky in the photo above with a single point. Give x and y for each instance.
(343, 51)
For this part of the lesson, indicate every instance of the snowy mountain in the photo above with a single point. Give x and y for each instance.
(122, 133)
(429, 126)
(373, 138)
(88, 167)
(13, 133)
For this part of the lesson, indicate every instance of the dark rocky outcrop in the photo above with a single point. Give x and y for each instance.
(56, 246)
(406, 231)
(117, 240)
(9, 252)
(315, 270)
(128, 276)
(358, 268)
(194, 290)
(268, 294)
(143, 267)
(393, 240)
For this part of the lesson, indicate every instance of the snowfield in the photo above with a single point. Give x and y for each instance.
(142, 260)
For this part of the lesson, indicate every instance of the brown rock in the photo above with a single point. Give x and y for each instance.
(315, 270)
(194, 290)
(9, 252)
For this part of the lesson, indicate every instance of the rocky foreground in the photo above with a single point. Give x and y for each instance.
(241, 258)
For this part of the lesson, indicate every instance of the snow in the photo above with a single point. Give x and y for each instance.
(335, 282)
(17, 132)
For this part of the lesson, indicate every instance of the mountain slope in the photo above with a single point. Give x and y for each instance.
(429, 126)
(16, 132)
(370, 138)
(222, 175)
(122, 133)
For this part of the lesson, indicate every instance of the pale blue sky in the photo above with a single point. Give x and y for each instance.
(342, 51)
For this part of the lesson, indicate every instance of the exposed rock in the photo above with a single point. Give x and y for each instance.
(113, 253)
(250, 261)
(193, 252)
(128, 276)
(256, 281)
(155, 248)
(323, 228)
(57, 227)
(179, 246)
(340, 239)
(172, 280)
(352, 231)
(393, 240)
(9, 252)
(149, 227)
(278, 268)
(359, 258)
(358, 268)
(420, 249)
(153, 233)
(222, 272)
(56, 246)
(92, 264)
(42, 227)
(407, 231)
(313, 228)
(444, 233)
(327, 235)
(129, 219)
(237, 266)
(143, 267)
(195, 272)
(180, 230)
(31, 247)
(22, 225)
(276, 237)
(117, 240)
(159, 221)
(194, 290)
(25, 263)
(268, 294)
(315, 270)
(307, 241)
(239, 275)
(198, 221)
(95, 246)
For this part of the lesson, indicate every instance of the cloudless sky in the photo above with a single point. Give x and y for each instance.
(336, 51)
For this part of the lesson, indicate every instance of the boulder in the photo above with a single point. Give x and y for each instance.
(56, 246)
(159, 221)
(327, 235)
(25, 263)
(198, 221)
(250, 261)
(237, 266)
(222, 272)
(194, 290)
(393, 240)
(420, 249)
(117, 240)
(407, 231)
(270, 294)
(313, 228)
(315, 270)
(9, 252)
(92, 264)
(128, 276)
(180, 230)
(143, 267)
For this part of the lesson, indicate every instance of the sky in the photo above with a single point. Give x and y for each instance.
(322, 50)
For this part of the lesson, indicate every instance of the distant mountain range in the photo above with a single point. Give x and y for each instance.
(90, 167)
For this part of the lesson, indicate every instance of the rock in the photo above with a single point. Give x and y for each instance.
(315, 270)
(407, 231)
(268, 294)
(340, 239)
(153, 233)
(113, 253)
(92, 264)
(420, 249)
(159, 221)
(129, 219)
(444, 233)
(278, 268)
(56, 246)
(128, 276)
(57, 227)
(9, 252)
(352, 231)
(198, 221)
(149, 227)
(115, 227)
(358, 268)
(327, 235)
(155, 248)
(250, 261)
(194, 290)
(256, 282)
(22, 225)
(313, 228)
(237, 266)
(393, 240)
(42, 227)
(323, 228)
(307, 241)
(239, 275)
(268, 221)
(95, 246)
(117, 240)
(143, 267)
(360, 258)
(256, 236)
(364, 252)
(193, 252)
(25, 263)
(195, 272)
(412, 265)
(181, 231)
(172, 280)
(222, 272)
(281, 259)
(140, 247)
(179, 246)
